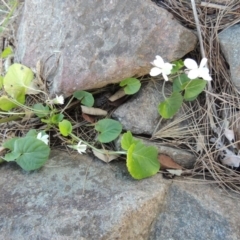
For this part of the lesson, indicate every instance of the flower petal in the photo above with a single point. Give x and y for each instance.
(193, 74)
(203, 63)
(190, 63)
(204, 73)
(158, 62)
(155, 71)
(167, 68)
(165, 76)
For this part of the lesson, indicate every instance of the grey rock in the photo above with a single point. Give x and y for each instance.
(76, 197)
(85, 45)
(140, 114)
(197, 212)
(230, 45)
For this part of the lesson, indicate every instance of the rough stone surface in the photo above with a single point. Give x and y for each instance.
(197, 212)
(76, 197)
(230, 45)
(140, 114)
(89, 44)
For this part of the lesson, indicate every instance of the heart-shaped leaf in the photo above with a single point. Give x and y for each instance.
(127, 140)
(16, 81)
(6, 104)
(109, 130)
(56, 118)
(142, 161)
(65, 128)
(171, 105)
(86, 98)
(30, 152)
(40, 110)
(132, 85)
(193, 88)
(179, 81)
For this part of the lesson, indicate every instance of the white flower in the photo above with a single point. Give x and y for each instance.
(43, 137)
(81, 148)
(56, 100)
(194, 71)
(160, 67)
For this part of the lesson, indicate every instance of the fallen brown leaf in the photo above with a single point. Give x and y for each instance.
(88, 118)
(167, 162)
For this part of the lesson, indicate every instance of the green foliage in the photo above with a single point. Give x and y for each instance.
(142, 161)
(128, 140)
(193, 89)
(131, 85)
(179, 81)
(171, 105)
(1, 82)
(65, 128)
(108, 129)
(86, 98)
(29, 152)
(7, 52)
(177, 65)
(16, 81)
(40, 110)
(56, 118)
(6, 103)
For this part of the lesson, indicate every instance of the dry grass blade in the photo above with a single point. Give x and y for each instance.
(222, 96)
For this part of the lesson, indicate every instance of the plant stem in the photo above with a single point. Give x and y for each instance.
(163, 87)
(96, 149)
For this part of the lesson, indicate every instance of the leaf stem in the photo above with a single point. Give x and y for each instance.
(96, 149)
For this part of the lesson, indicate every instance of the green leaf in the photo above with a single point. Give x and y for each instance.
(193, 89)
(7, 52)
(40, 110)
(17, 79)
(132, 85)
(12, 156)
(86, 98)
(109, 130)
(6, 104)
(177, 65)
(55, 119)
(179, 81)
(127, 140)
(1, 82)
(10, 143)
(65, 128)
(142, 161)
(34, 153)
(32, 133)
(30, 152)
(171, 105)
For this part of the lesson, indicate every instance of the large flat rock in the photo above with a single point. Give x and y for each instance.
(89, 44)
(76, 197)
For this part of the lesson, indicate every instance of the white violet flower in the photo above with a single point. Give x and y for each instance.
(43, 137)
(160, 67)
(194, 71)
(81, 148)
(57, 100)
